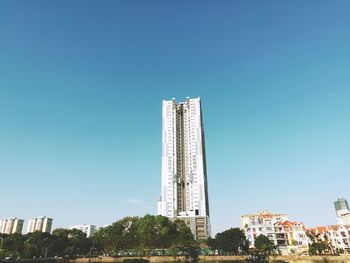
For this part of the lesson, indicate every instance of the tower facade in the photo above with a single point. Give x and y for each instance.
(341, 207)
(184, 188)
(11, 226)
(42, 224)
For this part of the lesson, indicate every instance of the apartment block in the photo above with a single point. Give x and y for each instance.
(42, 224)
(11, 226)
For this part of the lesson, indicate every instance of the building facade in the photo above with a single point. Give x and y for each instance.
(288, 237)
(11, 226)
(42, 224)
(184, 187)
(336, 236)
(296, 233)
(342, 210)
(89, 230)
(341, 207)
(344, 219)
(295, 236)
(263, 223)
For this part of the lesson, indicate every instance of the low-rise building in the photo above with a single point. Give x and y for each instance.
(89, 230)
(319, 231)
(288, 237)
(296, 239)
(296, 233)
(262, 223)
(338, 236)
(41, 223)
(11, 226)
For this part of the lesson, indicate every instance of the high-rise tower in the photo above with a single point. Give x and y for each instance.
(11, 226)
(184, 191)
(41, 223)
(341, 207)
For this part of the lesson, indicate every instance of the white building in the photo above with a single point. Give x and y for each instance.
(296, 239)
(11, 226)
(263, 223)
(184, 188)
(288, 237)
(344, 219)
(42, 224)
(342, 210)
(89, 230)
(338, 235)
(341, 207)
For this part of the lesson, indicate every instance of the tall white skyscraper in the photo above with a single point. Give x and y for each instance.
(184, 188)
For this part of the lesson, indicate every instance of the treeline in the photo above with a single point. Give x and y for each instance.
(129, 233)
(62, 242)
(148, 232)
(130, 236)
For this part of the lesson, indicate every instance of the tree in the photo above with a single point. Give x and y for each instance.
(156, 231)
(184, 236)
(128, 233)
(36, 244)
(165, 232)
(110, 238)
(123, 234)
(130, 236)
(191, 253)
(317, 248)
(231, 241)
(78, 243)
(60, 242)
(264, 245)
(211, 242)
(14, 244)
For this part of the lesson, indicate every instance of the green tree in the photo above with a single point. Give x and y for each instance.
(231, 241)
(36, 244)
(191, 253)
(60, 242)
(14, 244)
(128, 233)
(264, 245)
(78, 242)
(318, 248)
(122, 234)
(184, 236)
(156, 232)
(211, 242)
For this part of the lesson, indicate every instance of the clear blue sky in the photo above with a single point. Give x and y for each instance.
(81, 85)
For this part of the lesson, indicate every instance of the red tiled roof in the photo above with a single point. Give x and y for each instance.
(318, 230)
